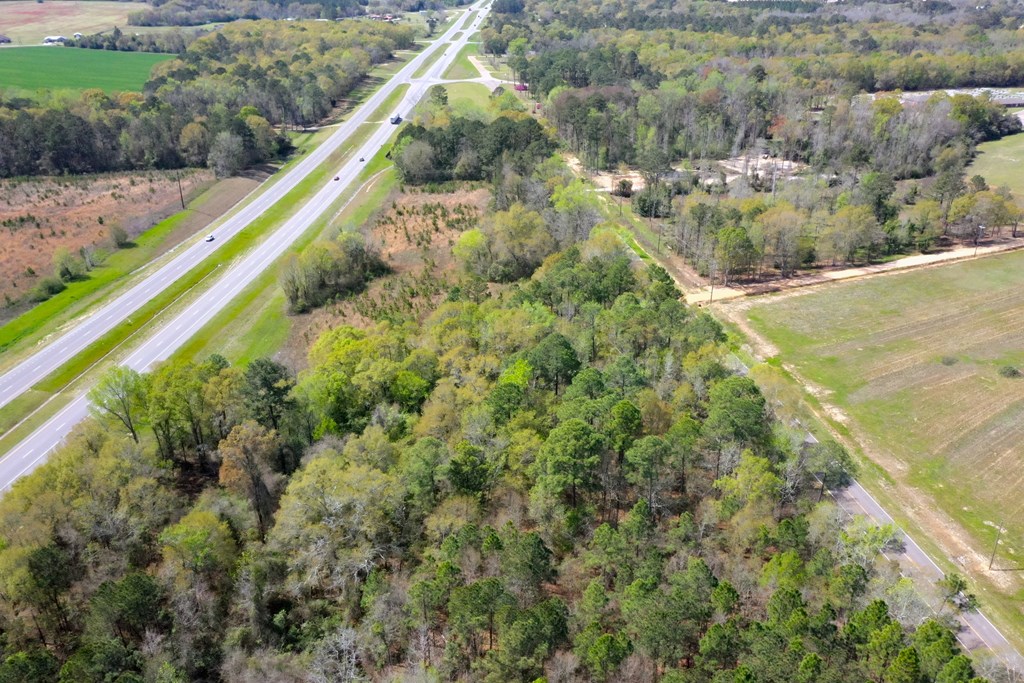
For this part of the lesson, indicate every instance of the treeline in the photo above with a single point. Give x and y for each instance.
(169, 42)
(818, 225)
(467, 149)
(328, 269)
(197, 12)
(221, 103)
(563, 481)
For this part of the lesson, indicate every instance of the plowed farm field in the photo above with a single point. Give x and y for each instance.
(920, 368)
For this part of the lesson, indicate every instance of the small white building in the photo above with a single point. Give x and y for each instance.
(53, 40)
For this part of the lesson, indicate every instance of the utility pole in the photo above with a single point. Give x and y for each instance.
(711, 298)
(977, 238)
(995, 546)
(181, 195)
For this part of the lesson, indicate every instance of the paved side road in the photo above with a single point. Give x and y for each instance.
(33, 450)
(88, 329)
(976, 631)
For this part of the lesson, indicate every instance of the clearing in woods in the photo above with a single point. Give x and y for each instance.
(999, 162)
(57, 67)
(27, 22)
(921, 367)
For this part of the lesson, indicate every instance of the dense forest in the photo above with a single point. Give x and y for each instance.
(559, 472)
(555, 475)
(221, 103)
(562, 480)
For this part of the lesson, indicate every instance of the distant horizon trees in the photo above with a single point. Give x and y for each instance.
(223, 103)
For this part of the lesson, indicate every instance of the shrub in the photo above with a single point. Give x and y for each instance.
(47, 287)
(1009, 371)
(119, 236)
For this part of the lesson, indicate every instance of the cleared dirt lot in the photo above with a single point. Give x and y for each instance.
(27, 22)
(914, 365)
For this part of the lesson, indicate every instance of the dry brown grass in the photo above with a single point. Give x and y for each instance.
(414, 234)
(38, 216)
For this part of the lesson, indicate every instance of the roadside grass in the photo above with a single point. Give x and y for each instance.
(462, 68)
(244, 240)
(65, 68)
(999, 162)
(497, 66)
(15, 411)
(912, 361)
(431, 60)
(469, 99)
(32, 421)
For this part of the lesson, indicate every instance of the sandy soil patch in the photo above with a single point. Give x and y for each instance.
(762, 165)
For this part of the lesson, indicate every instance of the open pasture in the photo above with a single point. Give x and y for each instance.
(57, 67)
(919, 366)
(27, 22)
(1001, 162)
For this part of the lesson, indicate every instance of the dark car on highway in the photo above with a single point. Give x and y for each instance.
(396, 119)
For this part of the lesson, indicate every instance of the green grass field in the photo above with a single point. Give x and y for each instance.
(1000, 163)
(469, 99)
(462, 67)
(913, 362)
(33, 68)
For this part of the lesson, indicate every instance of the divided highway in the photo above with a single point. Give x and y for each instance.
(94, 325)
(161, 343)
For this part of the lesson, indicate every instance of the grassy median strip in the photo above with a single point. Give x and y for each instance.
(462, 68)
(429, 61)
(244, 240)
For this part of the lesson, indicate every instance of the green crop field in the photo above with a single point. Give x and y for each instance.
(33, 68)
(914, 362)
(1000, 163)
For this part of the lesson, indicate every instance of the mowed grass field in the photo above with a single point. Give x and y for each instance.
(1002, 163)
(463, 68)
(74, 68)
(27, 22)
(913, 361)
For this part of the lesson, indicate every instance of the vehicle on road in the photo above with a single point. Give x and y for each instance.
(396, 119)
(361, 159)
(209, 238)
(337, 177)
